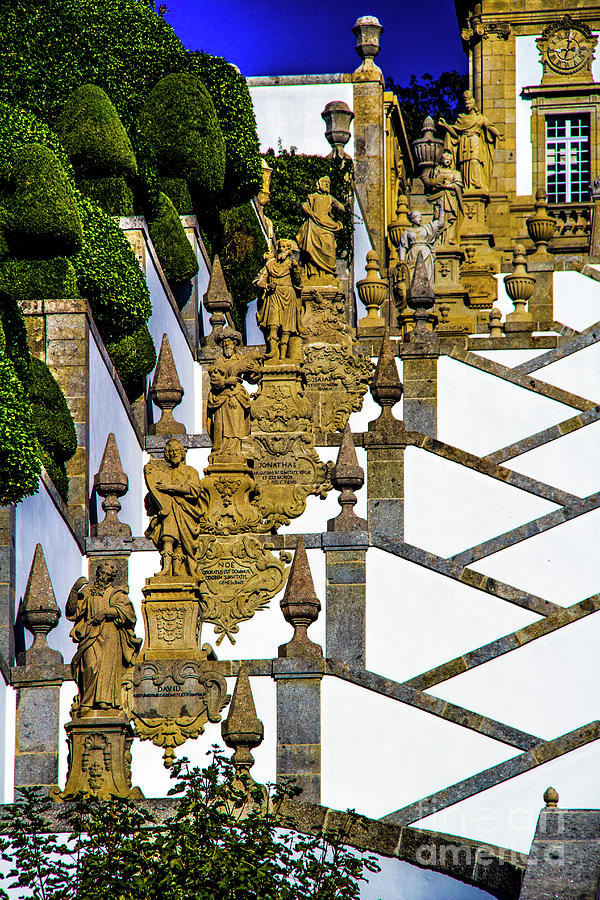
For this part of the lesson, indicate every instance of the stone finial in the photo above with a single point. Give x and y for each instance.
(242, 730)
(421, 294)
(217, 300)
(519, 287)
(166, 391)
(347, 476)
(551, 798)
(427, 149)
(337, 116)
(40, 613)
(300, 607)
(541, 225)
(495, 323)
(111, 482)
(372, 291)
(386, 387)
(367, 31)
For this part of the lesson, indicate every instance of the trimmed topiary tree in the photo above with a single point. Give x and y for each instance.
(133, 357)
(233, 105)
(180, 126)
(20, 465)
(99, 148)
(172, 246)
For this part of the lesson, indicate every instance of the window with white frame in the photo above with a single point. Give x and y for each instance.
(568, 158)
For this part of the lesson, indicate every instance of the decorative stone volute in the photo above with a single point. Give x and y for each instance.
(427, 149)
(386, 389)
(111, 482)
(242, 730)
(217, 300)
(347, 476)
(300, 607)
(541, 225)
(337, 116)
(39, 613)
(551, 798)
(367, 32)
(372, 291)
(166, 391)
(519, 287)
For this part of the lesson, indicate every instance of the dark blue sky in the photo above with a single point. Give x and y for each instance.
(263, 37)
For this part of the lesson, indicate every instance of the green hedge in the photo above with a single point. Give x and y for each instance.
(236, 237)
(93, 135)
(294, 177)
(113, 195)
(181, 128)
(40, 215)
(231, 97)
(53, 424)
(109, 276)
(19, 127)
(172, 246)
(134, 356)
(14, 333)
(19, 462)
(178, 192)
(37, 279)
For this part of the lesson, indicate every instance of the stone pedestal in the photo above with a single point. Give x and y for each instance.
(419, 356)
(345, 607)
(37, 727)
(324, 314)
(172, 609)
(450, 295)
(336, 382)
(385, 477)
(99, 760)
(541, 302)
(299, 725)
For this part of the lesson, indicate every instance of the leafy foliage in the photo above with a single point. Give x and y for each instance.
(92, 134)
(231, 97)
(236, 237)
(431, 96)
(181, 128)
(53, 424)
(37, 279)
(19, 462)
(294, 177)
(14, 336)
(39, 209)
(221, 843)
(170, 241)
(133, 357)
(108, 275)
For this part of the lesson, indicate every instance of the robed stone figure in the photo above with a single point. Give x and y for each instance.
(472, 141)
(175, 511)
(316, 237)
(106, 643)
(228, 406)
(279, 309)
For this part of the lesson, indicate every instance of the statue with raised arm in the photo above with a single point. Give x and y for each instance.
(446, 184)
(316, 237)
(173, 504)
(279, 309)
(421, 238)
(228, 406)
(472, 141)
(104, 632)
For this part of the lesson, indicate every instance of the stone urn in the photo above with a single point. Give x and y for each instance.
(427, 149)
(541, 225)
(367, 32)
(401, 222)
(337, 116)
(372, 291)
(519, 287)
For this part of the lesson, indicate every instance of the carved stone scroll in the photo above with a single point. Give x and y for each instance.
(240, 576)
(336, 382)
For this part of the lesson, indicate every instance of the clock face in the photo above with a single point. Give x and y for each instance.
(566, 51)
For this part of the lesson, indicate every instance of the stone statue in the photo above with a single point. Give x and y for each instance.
(279, 314)
(472, 141)
(228, 401)
(446, 181)
(174, 508)
(316, 237)
(104, 632)
(421, 238)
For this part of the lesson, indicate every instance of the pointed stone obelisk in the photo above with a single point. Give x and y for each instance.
(347, 476)
(166, 391)
(111, 482)
(40, 613)
(300, 607)
(217, 301)
(242, 730)
(386, 389)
